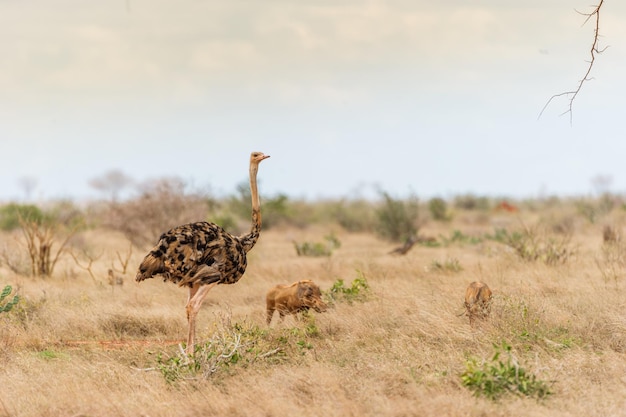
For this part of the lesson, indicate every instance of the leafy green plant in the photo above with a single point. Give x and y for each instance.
(449, 265)
(49, 354)
(318, 248)
(302, 335)
(359, 290)
(231, 344)
(500, 235)
(502, 375)
(6, 307)
(460, 238)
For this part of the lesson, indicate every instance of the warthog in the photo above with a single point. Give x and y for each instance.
(477, 301)
(291, 299)
(115, 279)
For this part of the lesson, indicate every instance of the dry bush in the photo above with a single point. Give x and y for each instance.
(611, 234)
(162, 205)
(611, 261)
(40, 240)
(536, 244)
(40, 246)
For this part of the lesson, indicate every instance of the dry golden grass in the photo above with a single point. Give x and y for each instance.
(79, 347)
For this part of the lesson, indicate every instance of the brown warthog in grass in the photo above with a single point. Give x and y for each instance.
(294, 298)
(477, 301)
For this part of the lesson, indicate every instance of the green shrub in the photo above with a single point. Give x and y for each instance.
(439, 209)
(500, 235)
(318, 249)
(397, 219)
(355, 216)
(11, 214)
(226, 221)
(497, 377)
(275, 210)
(471, 202)
(359, 290)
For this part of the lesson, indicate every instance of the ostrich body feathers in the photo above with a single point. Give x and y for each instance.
(198, 253)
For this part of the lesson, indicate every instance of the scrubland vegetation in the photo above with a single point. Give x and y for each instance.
(81, 338)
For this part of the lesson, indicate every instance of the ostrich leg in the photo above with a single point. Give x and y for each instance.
(197, 293)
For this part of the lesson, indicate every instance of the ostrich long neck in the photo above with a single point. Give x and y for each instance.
(250, 239)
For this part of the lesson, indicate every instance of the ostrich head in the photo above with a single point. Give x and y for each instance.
(256, 157)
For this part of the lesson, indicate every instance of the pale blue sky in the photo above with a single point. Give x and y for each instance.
(413, 97)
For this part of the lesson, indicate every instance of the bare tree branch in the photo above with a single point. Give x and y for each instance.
(90, 258)
(594, 50)
(124, 261)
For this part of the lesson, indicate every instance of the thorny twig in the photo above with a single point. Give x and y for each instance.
(593, 51)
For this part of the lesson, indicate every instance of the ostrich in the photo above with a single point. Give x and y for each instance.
(201, 255)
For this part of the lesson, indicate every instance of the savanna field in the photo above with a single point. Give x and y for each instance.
(394, 342)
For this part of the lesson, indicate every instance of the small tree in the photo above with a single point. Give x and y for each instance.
(112, 182)
(40, 238)
(397, 219)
